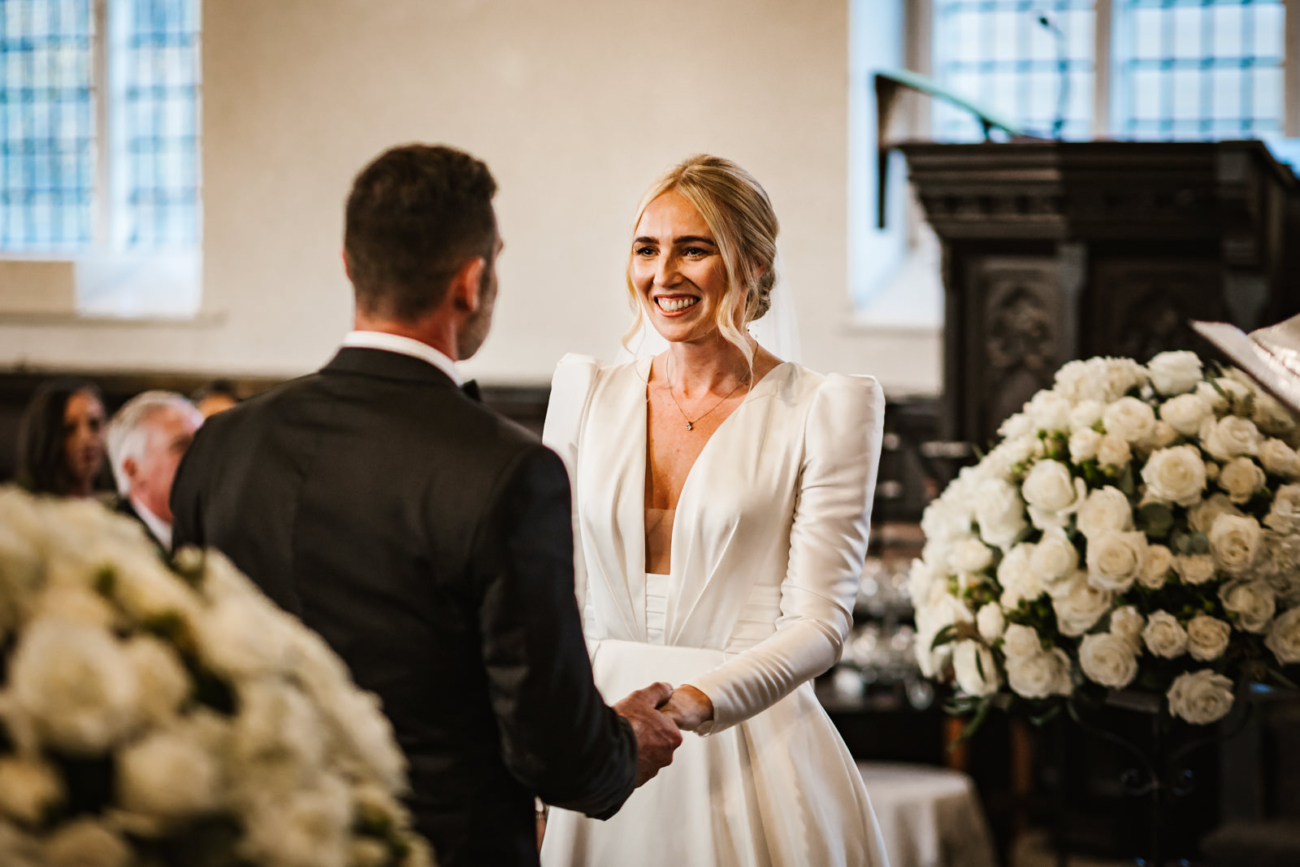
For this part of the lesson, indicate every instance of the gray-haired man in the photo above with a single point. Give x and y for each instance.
(146, 440)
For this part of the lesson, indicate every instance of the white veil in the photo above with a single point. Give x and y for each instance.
(777, 331)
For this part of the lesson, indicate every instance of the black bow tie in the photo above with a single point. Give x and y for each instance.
(470, 387)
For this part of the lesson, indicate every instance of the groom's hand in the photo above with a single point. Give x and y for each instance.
(656, 735)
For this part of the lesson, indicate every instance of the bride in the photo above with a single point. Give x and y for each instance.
(722, 502)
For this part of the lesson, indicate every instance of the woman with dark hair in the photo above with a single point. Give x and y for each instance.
(61, 439)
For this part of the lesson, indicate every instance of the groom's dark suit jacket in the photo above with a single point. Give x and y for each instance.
(429, 541)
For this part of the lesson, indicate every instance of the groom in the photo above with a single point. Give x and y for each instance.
(426, 538)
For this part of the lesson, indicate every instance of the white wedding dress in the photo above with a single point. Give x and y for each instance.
(767, 548)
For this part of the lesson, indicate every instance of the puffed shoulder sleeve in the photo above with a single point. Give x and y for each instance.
(828, 543)
(571, 387)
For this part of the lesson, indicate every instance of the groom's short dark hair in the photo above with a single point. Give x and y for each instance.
(415, 215)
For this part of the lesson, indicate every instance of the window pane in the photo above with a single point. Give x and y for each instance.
(1001, 55)
(158, 108)
(1202, 69)
(46, 125)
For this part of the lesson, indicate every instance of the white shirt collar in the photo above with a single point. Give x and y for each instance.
(161, 530)
(404, 346)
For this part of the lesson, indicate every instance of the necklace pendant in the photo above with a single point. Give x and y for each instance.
(689, 426)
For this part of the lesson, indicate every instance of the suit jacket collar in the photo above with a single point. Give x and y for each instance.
(386, 365)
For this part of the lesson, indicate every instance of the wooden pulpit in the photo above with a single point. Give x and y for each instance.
(1061, 250)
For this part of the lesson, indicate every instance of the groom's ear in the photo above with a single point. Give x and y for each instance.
(466, 286)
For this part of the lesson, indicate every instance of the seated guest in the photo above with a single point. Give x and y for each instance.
(215, 396)
(146, 441)
(61, 439)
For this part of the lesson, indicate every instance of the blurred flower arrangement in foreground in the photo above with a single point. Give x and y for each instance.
(1137, 527)
(169, 714)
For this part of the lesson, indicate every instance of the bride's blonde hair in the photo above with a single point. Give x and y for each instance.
(739, 214)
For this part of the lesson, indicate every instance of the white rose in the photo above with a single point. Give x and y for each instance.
(1241, 478)
(167, 775)
(1203, 515)
(1252, 601)
(1079, 605)
(920, 578)
(1271, 416)
(1016, 426)
(1054, 558)
(244, 635)
(1277, 566)
(29, 789)
(164, 684)
(1194, 568)
(1000, 513)
(1106, 510)
(1115, 560)
(1200, 697)
(1020, 641)
(1186, 413)
(1280, 459)
(1175, 372)
(1175, 475)
(1230, 437)
(1207, 637)
(1049, 411)
(1041, 674)
(1212, 471)
(1127, 623)
(1119, 375)
(975, 668)
(1052, 494)
(1234, 542)
(76, 683)
(1084, 444)
(1284, 515)
(991, 621)
(1129, 419)
(1086, 414)
(276, 719)
(86, 843)
(1283, 639)
(1208, 393)
(311, 828)
(971, 555)
(1163, 436)
(75, 605)
(1114, 452)
(1108, 660)
(1155, 568)
(1164, 635)
(1017, 576)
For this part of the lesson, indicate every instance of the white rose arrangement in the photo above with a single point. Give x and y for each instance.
(1137, 527)
(168, 713)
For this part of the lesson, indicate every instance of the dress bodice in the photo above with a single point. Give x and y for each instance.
(770, 529)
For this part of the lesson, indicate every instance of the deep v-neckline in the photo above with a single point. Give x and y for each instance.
(690, 472)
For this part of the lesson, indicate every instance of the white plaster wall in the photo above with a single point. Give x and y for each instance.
(575, 104)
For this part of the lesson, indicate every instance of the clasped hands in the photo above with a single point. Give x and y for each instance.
(659, 714)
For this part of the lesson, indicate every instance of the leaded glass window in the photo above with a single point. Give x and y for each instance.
(99, 126)
(1012, 56)
(47, 124)
(1199, 69)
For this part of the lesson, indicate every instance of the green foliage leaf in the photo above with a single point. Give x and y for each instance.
(1156, 520)
(944, 636)
(1126, 482)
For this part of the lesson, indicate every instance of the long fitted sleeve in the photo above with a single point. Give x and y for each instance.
(828, 543)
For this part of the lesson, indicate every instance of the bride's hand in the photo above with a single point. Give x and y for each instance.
(688, 707)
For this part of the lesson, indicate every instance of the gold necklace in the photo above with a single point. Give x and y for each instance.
(690, 423)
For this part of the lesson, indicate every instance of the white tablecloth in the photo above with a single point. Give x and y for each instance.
(930, 817)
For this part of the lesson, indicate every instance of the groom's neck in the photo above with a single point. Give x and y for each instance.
(434, 330)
